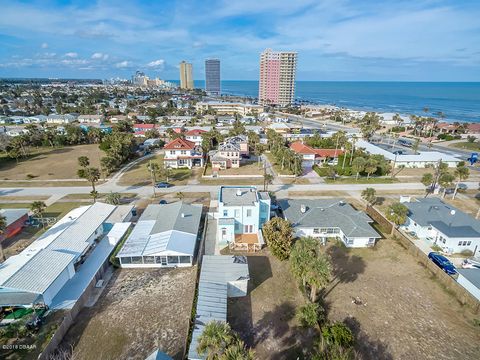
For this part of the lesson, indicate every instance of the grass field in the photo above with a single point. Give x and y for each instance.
(138, 175)
(277, 167)
(48, 164)
(245, 169)
(475, 146)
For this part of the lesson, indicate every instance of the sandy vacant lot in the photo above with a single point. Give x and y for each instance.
(408, 315)
(139, 311)
(51, 164)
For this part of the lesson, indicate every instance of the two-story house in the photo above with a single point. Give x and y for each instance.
(180, 153)
(229, 153)
(442, 224)
(242, 211)
(195, 135)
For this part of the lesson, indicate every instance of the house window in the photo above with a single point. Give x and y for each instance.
(137, 260)
(148, 259)
(469, 243)
(225, 213)
(172, 259)
(183, 152)
(464, 243)
(349, 241)
(172, 152)
(316, 231)
(459, 243)
(237, 213)
(126, 260)
(224, 232)
(249, 212)
(184, 259)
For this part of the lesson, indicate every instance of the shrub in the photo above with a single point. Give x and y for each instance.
(338, 333)
(466, 252)
(310, 315)
(436, 248)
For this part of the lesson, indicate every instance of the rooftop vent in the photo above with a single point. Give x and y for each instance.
(183, 215)
(239, 192)
(303, 208)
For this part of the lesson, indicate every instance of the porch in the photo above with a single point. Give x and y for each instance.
(247, 242)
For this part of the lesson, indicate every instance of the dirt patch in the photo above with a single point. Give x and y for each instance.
(47, 164)
(140, 311)
(266, 318)
(407, 314)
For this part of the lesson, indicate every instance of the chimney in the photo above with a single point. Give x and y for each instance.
(239, 192)
(303, 209)
(183, 215)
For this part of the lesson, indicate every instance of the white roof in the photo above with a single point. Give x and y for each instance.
(37, 267)
(422, 156)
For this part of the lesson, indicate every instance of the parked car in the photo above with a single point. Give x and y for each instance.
(163, 185)
(245, 156)
(443, 263)
(163, 202)
(471, 264)
(462, 187)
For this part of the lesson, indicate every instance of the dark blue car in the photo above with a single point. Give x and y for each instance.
(443, 263)
(163, 185)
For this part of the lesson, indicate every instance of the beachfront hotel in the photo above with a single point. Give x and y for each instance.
(186, 75)
(212, 76)
(277, 77)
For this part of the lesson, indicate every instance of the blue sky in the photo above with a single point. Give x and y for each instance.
(421, 40)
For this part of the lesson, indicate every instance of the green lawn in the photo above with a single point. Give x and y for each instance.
(138, 175)
(475, 146)
(361, 180)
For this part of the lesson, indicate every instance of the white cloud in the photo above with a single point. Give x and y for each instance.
(122, 64)
(158, 64)
(71, 55)
(44, 45)
(99, 56)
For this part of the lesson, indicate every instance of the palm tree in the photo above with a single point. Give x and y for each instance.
(38, 209)
(238, 351)
(94, 195)
(180, 195)
(461, 173)
(446, 181)
(92, 175)
(318, 275)
(113, 198)
(427, 180)
(354, 141)
(397, 213)
(153, 168)
(83, 161)
(369, 195)
(309, 315)
(416, 145)
(215, 339)
(3, 224)
(267, 179)
(358, 165)
(370, 166)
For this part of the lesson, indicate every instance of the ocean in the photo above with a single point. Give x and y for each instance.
(459, 101)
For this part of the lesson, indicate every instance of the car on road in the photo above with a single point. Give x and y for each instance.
(462, 187)
(443, 263)
(163, 185)
(471, 264)
(163, 202)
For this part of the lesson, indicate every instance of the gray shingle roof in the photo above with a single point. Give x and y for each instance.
(328, 213)
(446, 218)
(169, 217)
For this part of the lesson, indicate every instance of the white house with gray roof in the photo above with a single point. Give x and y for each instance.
(442, 224)
(242, 211)
(165, 236)
(330, 218)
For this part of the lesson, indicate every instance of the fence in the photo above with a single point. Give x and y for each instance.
(449, 283)
(72, 314)
(376, 215)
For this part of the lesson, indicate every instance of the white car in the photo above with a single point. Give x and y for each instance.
(471, 264)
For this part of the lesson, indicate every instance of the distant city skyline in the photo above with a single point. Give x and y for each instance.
(411, 40)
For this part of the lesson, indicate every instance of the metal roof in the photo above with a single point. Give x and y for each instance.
(238, 195)
(328, 213)
(12, 215)
(37, 267)
(162, 228)
(446, 218)
(217, 271)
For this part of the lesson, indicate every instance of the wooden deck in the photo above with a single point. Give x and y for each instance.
(246, 242)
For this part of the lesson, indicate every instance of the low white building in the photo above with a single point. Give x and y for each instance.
(470, 280)
(165, 236)
(419, 160)
(330, 218)
(221, 277)
(442, 224)
(44, 268)
(92, 119)
(60, 119)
